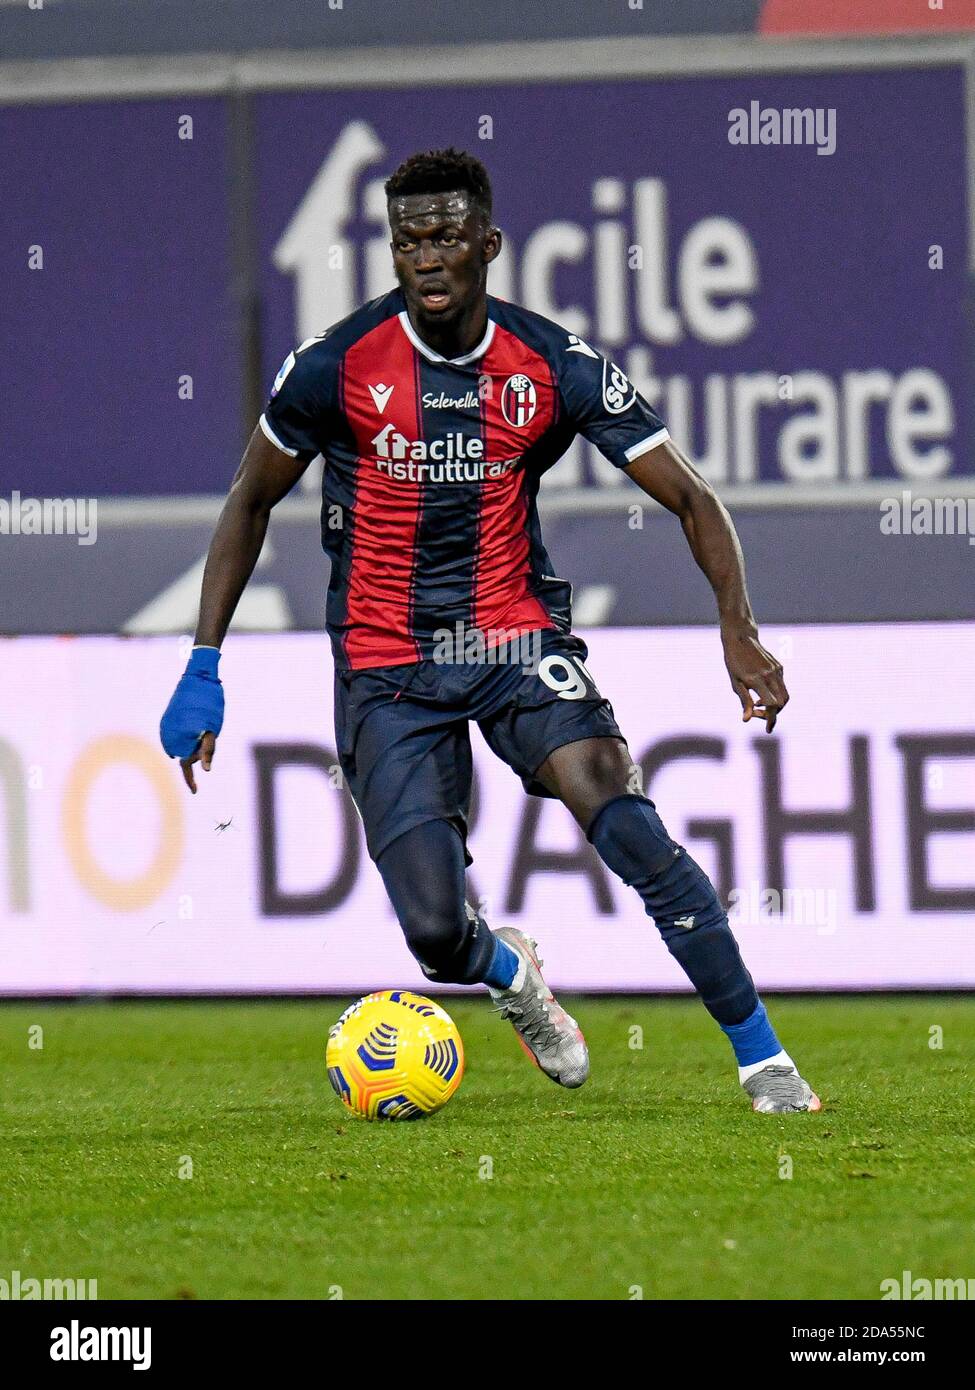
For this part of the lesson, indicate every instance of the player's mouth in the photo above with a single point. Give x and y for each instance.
(434, 296)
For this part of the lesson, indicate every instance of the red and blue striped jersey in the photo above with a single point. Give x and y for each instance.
(432, 468)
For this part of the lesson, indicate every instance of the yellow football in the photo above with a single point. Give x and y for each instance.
(394, 1055)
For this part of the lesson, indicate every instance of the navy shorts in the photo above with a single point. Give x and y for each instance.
(403, 736)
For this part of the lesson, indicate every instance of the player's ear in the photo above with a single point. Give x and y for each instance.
(492, 245)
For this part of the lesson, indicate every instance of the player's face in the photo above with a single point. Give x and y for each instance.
(442, 247)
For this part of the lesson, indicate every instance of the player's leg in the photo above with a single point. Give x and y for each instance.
(560, 735)
(408, 767)
(423, 871)
(593, 778)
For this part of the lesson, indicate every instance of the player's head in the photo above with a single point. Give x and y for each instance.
(443, 239)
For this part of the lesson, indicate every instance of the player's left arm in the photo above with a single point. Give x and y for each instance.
(665, 475)
(605, 407)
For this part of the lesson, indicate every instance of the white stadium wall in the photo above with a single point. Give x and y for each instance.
(846, 841)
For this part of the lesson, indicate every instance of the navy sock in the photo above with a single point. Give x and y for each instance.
(632, 841)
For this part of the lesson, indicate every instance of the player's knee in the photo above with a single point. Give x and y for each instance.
(432, 932)
(633, 842)
(448, 944)
(423, 871)
(631, 839)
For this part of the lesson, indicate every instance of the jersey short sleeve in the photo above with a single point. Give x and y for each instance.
(604, 405)
(302, 400)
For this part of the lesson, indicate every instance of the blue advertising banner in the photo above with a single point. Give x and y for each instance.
(778, 260)
(119, 346)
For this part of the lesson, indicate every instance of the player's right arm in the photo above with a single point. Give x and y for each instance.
(264, 477)
(194, 717)
(288, 437)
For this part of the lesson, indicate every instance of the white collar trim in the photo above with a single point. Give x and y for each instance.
(432, 356)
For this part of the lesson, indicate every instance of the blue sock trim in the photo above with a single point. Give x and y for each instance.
(754, 1039)
(503, 967)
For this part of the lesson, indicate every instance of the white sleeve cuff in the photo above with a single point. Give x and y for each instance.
(651, 442)
(267, 430)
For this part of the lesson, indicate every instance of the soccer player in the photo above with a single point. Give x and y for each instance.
(437, 408)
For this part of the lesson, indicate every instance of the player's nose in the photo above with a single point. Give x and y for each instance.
(426, 258)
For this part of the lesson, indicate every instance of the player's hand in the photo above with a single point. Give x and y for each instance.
(204, 755)
(194, 716)
(755, 674)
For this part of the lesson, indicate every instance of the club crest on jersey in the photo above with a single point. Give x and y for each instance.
(618, 391)
(519, 400)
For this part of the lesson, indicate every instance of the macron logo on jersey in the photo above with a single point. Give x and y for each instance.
(577, 345)
(380, 395)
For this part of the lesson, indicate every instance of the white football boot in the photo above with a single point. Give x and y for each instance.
(550, 1036)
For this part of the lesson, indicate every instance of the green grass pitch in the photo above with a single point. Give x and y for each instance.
(654, 1177)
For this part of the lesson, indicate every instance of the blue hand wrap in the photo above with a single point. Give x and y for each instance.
(196, 707)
